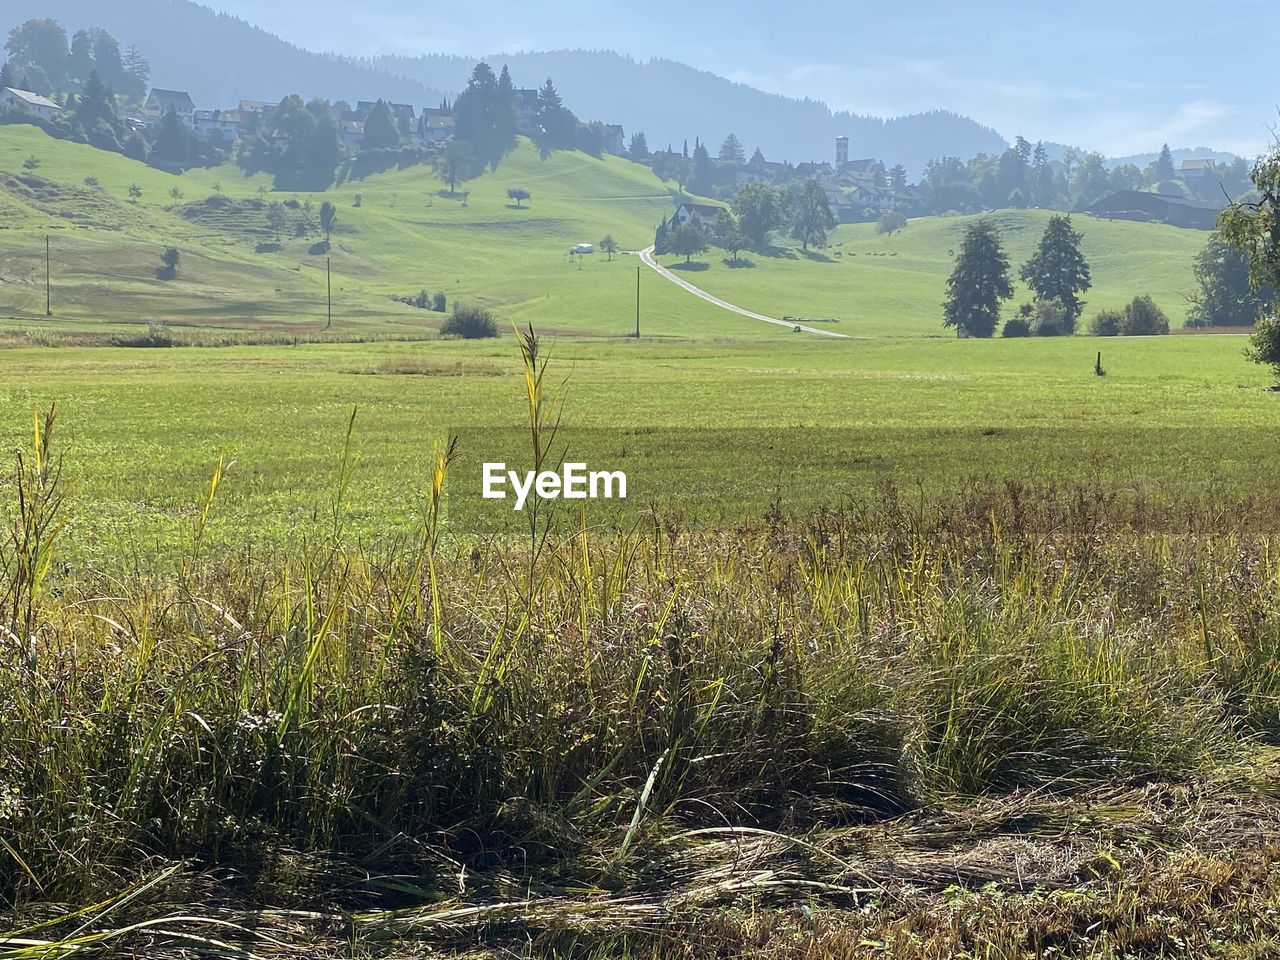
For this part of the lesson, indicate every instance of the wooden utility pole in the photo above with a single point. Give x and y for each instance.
(637, 303)
(48, 290)
(328, 282)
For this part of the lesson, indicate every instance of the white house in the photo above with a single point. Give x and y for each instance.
(436, 127)
(161, 102)
(218, 124)
(704, 213)
(29, 103)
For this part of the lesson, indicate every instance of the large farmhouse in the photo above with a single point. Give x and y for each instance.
(161, 102)
(1157, 208)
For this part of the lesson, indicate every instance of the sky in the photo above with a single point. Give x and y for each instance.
(1115, 76)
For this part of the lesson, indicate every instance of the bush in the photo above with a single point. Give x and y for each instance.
(1018, 326)
(439, 303)
(1050, 318)
(1106, 323)
(469, 323)
(1142, 318)
(169, 261)
(1264, 344)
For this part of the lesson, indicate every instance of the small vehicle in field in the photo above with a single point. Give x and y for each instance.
(583, 248)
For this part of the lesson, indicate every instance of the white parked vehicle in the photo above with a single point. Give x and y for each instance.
(584, 248)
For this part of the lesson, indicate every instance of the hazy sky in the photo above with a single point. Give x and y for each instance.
(1116, 76)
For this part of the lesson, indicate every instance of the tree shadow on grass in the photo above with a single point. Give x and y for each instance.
(816, 256)
(778, 253)
(697, 266)
(512, 206)
(742, 263)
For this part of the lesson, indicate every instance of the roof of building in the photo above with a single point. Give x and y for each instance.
(1140, 199)
(257, 106)
(32, 98)
(1197, 164)
(171, 97)
(860, 166)
(701, 209)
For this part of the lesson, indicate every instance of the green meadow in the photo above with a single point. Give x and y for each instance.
(882, 285)
(713, 415)
(901, 645)
(408, 233)
(716, 431)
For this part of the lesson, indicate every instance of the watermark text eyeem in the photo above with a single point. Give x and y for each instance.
(573, 482)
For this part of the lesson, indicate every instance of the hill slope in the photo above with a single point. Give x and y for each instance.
(878, 285)
(407, 234)
(218, 58)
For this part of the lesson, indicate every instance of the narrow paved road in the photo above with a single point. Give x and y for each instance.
(647, 256)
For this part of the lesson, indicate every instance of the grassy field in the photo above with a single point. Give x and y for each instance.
(716, 430)
(903, 647)
(893, 285)
(408, 233)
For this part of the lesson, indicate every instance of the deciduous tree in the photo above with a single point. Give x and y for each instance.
(812, 217)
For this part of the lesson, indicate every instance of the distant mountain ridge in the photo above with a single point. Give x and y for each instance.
(672, 102)
(220, 59)
(217, 58)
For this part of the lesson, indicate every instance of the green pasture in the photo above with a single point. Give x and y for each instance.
(712, 431)
(883, 285)
(409, 233)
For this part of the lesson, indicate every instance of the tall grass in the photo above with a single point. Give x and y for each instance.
(406, 708)
(370, 725)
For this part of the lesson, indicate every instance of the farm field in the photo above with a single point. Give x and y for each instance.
(901, 646)
(716, 430)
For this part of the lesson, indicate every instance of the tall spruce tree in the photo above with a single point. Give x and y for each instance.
(1058, 269)
(173, 142)
(979, 284)
(379, 129)
(557, 124)
(505, 125)
(731, 150)
(701, 173)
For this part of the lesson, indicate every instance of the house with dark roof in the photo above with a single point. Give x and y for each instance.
(25, 101)
(159, 102)
(1157, 208)
(704, 213)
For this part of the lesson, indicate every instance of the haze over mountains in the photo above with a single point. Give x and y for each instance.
(220, 59)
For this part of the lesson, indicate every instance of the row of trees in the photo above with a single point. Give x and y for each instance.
(980, 283)
(757, 211)
(1024, 176)
(41, 59)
